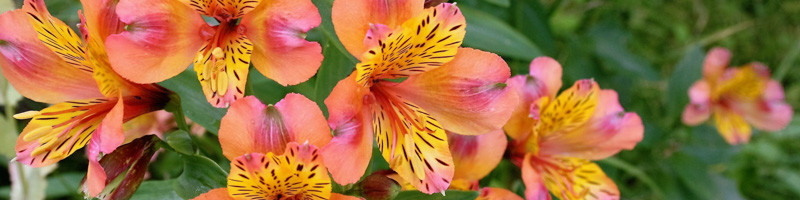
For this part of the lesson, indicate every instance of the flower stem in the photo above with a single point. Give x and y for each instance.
(174, 106)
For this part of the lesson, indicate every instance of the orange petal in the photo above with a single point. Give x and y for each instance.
(607, 132)
(715, 63)
(475, 156)
(215, 194)
(251, 127)
(423, 43)
(732, 126)
(101, 19)
(413, 143)
(467, 95)
(297, 174)
(352, 19)
(336, 196)
(278, 29)
(546, 74)
(519, 124)
(534, 184)
(237, 8)
(579, 179)
(222, 68)
(491, 193)
(56, 35)
(34, 70)
(571, 109)
(699, 108)
(205, 7)
(349, 152)
(160, 41)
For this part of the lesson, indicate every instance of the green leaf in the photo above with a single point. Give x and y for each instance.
(200, 174)
(610, 42)
(501, 3)
(336, 66)
(489, 33)
(531, 19)
(181, 142)
(193, 101)
(8, 139)
(161, 190)
(694, 174)
(450, 195)
(687, 71)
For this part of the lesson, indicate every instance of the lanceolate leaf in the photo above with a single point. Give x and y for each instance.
(193, 101)
(488, 33)
(449, 195)
(200, 175)
(686, 72)
(161, 190)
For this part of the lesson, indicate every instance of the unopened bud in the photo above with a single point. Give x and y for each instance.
(379, 187)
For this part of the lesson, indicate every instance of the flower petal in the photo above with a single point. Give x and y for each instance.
(56, 35)
(546, 74)
(336, 196)
(237, 8)
(160, 41)
(475, 156)
(467, 95)
(607, 132)
(299, 171)
(732, 126)
(351, 125)
(579, 179)
(251, 127)
(567, 112)
(128, 162)
(101, 19)
(771, 113)
(278, 29)
(534, 184)
(492, 193)
(352, 19)
(519, 125)
(222, 70)
(423, 43)
(413, 143)
(215, 194)
(699, 108)
(35, 70)
(715, 63)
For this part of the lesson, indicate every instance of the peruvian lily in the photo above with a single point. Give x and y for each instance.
(268, 160)
(412, 84)
(162, 37)
(737, 97)
(556, 137)
(475, 156)
(48, 62)
(490, 193)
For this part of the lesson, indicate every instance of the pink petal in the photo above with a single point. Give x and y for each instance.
(352, 18)
(534, 184)
(699, 108)
(546, 74)
(491, 193)
(474, 156)
(716, 61)
(771, 113)
(349, 152)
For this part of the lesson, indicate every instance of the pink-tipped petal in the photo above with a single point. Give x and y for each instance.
(352, 19)
(34, 70)
(252, 127)
(161, 39)
(304, 120)
(520, 124)
(474, 156)
(278, 29)
(101, 19)
(716, 61)
(534, 184)
(109, 134)
(349, 152)
(699, 108)
(467, 95)
(95, 174)
(607, 132)
(732, 126)
(546, 74)
(491, 193)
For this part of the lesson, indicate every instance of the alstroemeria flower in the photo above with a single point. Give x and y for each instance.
(48, 62)
(268, 160)
(737, 97)
(412, 84)
(490, 193)
(556, 137)
(162, 37)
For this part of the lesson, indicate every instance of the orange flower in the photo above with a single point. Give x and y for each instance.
(48, 62)
(162, 37)
(267, 159)
(738, 97)
(557, 136)
(413, 83)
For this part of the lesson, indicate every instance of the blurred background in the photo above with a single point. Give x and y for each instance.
(650, 52)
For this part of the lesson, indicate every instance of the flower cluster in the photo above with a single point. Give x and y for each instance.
(442, 116)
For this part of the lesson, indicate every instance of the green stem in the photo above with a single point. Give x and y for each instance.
(636, 172)
(174, 106)
(786, 63)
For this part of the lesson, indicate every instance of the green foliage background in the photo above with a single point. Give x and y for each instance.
(650, 52)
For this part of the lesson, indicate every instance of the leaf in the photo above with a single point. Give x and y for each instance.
(694, 174)
(28, 182)
(193, 101)
(200, 175)
(8, 139)
(335, 67)
(531, 19)
(610, 43)
(687, 71)
(64, 184)
(156, 190)
(181, 142)
(501, 3)
(489, 33)
(450, 195)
